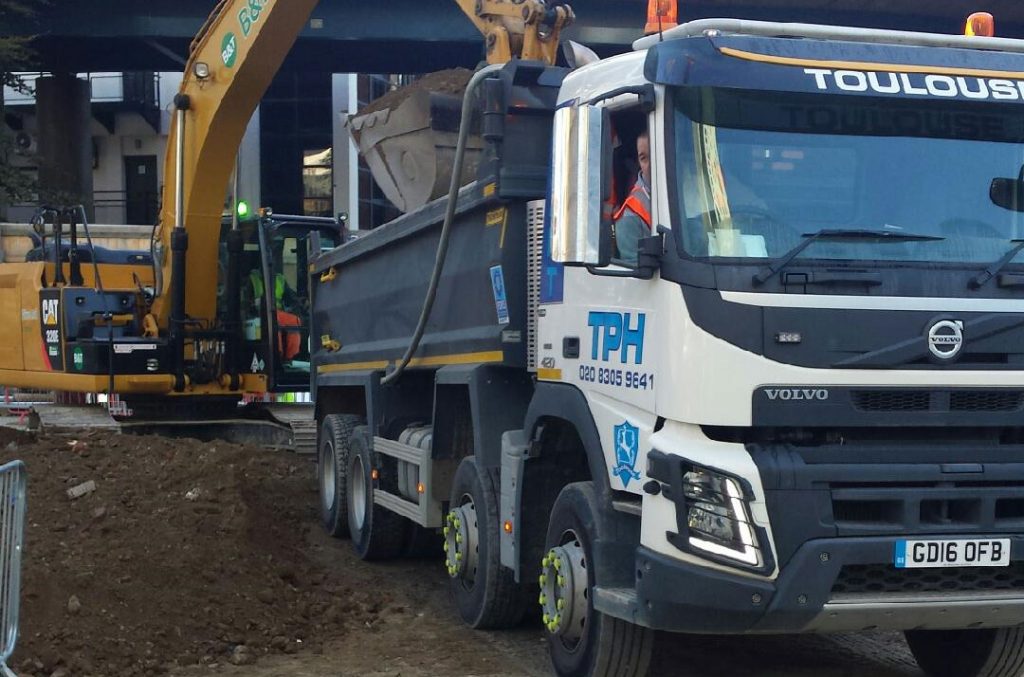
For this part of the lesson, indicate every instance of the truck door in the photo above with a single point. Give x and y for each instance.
(598, 328)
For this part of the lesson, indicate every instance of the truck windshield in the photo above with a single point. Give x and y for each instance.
(758, 171)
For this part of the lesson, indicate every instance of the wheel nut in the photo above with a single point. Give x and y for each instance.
(560, 604)
(542, 579)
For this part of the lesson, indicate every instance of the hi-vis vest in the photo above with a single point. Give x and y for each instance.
(638, 202)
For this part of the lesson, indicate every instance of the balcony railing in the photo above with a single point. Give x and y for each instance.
(110, 207)
(138, 88)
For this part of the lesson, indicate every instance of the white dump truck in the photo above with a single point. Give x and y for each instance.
(800, 408)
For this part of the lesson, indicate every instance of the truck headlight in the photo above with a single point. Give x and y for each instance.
(717, 517)
(712, 512)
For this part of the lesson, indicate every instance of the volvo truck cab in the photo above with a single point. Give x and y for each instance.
(810, 387)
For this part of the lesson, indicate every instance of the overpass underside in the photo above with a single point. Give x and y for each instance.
(409, 36)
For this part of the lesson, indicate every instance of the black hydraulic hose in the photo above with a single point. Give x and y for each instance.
(58, 263)
(39, 218)
(449, 217)
(74, 263)
(108, 314)
(232, 290)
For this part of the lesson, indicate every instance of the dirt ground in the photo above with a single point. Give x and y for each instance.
(195, 558)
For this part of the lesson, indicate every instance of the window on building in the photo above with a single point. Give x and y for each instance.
(317, 182)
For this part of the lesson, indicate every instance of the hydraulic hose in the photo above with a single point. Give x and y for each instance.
(446, 229)
(108, 314)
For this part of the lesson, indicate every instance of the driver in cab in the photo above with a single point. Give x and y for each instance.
(633, 219)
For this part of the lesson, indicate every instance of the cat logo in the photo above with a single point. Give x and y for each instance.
(50, 314)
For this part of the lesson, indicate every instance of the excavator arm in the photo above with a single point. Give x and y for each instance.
(232, 62)
(233, 59)
(527, 29)
(103, 330)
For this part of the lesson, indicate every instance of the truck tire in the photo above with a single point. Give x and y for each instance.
(485, 592)
(583, 642)
(377, 533)
(995, 652)
(332, 471)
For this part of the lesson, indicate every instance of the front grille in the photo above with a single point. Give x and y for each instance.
(882, 579)
(985, 400)
(892, 400)
(935, 509)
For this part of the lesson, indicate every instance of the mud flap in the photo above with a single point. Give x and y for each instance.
(515, 450)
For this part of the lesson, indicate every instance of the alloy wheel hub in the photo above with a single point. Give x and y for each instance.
(460, 542)
(563, 587)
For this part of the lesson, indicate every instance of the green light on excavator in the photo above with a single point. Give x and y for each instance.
(242, 208)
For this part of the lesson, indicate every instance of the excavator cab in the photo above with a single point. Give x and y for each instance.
(274, 289)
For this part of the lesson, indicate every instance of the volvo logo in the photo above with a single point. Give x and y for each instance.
(790, 394)
(946, 338)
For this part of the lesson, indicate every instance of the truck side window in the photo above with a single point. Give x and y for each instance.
(631, 189)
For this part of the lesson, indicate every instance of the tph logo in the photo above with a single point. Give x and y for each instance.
(617, 333)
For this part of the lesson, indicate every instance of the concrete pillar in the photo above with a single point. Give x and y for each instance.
(63, 109)
(346, 157)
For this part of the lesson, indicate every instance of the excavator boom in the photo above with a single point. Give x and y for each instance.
(233, 59)
(186, 321)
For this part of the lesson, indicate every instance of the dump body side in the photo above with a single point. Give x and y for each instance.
(369, 293)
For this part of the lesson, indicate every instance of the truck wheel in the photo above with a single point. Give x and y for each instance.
(996, 652)
(332, 470)
(582, 641)
(377, 533)
(485, 592)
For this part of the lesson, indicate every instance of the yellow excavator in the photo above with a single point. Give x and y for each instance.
(214, 310)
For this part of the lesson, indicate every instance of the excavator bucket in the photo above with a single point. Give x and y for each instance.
(408, 139)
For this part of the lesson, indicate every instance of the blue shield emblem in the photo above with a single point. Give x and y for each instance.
(627, 447)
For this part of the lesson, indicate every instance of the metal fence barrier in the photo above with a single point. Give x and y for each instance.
(12, 534)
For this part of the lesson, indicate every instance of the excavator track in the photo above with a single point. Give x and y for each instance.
(299, 418)
(289, 427)
(304, 437)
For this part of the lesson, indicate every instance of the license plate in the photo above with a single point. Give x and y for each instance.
(978, 552)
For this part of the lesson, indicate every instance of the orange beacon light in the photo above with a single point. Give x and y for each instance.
(661, 15)
(981, 24)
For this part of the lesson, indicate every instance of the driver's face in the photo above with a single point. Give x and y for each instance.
(643, 155)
